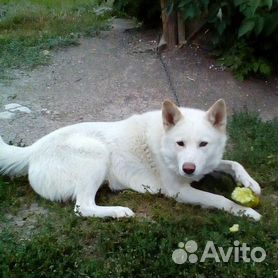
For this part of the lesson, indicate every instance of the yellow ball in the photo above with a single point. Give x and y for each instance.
(245, 196)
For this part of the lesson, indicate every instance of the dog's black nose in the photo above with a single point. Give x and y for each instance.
(189, 168)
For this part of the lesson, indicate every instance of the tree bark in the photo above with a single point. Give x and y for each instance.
(169, 23)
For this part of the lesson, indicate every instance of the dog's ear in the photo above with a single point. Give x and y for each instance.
(170, 114)
(217, 115)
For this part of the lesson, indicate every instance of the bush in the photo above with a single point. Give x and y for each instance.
(244, 32)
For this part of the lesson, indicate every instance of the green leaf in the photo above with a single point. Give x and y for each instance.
(269, 3)
(240, 76)
(213, 10)
(246, 27)
(270, 23)
(190, 12)
(205, 3)
(265, 69)
(259, 25)
(221, 26)
(254, 5)
(239, 2)
(255, 66)
(183, 4)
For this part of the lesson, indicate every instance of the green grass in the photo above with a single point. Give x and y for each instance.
(255, 152)
(30, 27)
(60, 244)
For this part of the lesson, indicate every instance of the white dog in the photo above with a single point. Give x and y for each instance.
(156, 152)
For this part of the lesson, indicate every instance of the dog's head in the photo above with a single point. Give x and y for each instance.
(194, 140)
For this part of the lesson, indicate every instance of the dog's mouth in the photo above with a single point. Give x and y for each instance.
(196, 178)
(193, 177)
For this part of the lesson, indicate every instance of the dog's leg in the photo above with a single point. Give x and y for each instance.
(86, 207)
(90, 175)
(90, 178)
(126, 172)
(194, 196)
(74, 168)
(237, 171)
(86, 191)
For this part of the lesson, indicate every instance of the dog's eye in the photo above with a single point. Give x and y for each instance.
(180, 143)
(203, 144)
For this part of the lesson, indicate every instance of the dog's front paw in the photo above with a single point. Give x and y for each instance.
(252, 213)
(251, 183)
(244, 178)
(245, 211)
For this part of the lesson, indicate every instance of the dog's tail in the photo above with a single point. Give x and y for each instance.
(14, 161)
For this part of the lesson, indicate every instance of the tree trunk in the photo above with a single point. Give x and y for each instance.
(169, 23)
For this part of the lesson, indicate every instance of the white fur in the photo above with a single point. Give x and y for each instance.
(139, 153)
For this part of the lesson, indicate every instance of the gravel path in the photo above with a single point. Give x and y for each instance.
(115, 75)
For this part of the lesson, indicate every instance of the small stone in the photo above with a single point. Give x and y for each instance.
(45, 52)
(19, 223)
(9, 216)
(234, 228)
(6, 115)
(102, 10)
(12, 106)
(23, 109)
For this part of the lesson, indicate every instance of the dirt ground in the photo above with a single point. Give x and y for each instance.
(117, 74)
